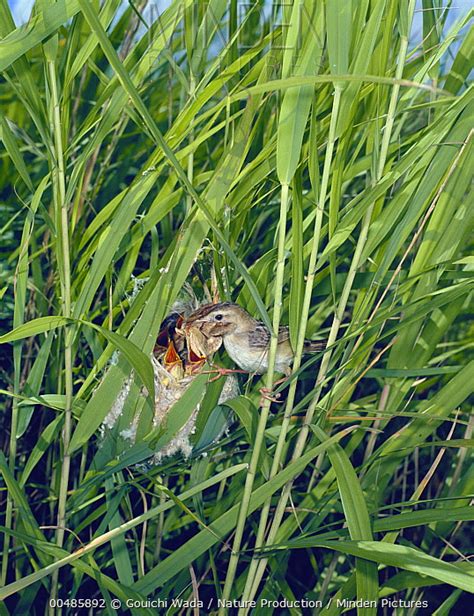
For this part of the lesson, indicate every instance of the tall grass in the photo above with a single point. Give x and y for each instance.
(312, 162)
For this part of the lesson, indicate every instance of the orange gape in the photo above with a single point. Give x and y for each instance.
(172, 361)
(194, 363)
(183, 351)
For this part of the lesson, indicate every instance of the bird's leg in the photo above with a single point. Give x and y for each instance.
(222, 372)
(265, 395)
(268, 394)
(280, 381)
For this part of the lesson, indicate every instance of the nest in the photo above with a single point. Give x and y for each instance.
(178, 358)
(168, 390)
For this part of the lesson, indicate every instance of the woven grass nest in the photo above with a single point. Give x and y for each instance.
(178, 358)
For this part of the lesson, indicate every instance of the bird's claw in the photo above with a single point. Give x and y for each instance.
(265, 393)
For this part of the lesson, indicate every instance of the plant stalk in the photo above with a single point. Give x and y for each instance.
(62, 223)
(11, 462)
(190, 170)
(17, 350)
(265, 408)
(301, 336)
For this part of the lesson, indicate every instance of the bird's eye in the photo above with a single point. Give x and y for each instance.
(218, 317)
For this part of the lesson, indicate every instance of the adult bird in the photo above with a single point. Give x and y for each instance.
(246, 340)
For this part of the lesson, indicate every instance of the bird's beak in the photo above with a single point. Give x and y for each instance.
(194, 323)
(185, 328)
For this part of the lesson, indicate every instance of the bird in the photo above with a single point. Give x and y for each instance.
(246, 340)
(181, 351)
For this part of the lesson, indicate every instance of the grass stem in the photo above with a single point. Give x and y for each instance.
(62, 224)
(265, 408)
(277, 458)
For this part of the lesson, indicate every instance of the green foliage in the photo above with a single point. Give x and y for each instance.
(316, 162)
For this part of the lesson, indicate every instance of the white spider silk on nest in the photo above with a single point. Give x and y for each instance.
(168, 390)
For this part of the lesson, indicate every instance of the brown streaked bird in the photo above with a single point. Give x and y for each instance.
(246, 340)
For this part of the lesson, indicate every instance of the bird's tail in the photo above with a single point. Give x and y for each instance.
(314, 346)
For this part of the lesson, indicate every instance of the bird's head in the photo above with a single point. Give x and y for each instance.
(219, 319)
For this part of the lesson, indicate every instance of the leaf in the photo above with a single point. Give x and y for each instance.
(198, 544)
(356, 514)
(297, 266)
(33, 384)
(90, 419)
(26, 581)
(122, 562)
(34, 327)
(91, 17)
(13, 150)
(403, 557)
(138, 360)
(339, 29)
(296, 103)
(246, 411)
(44, 441)
(45, 23)
(448, 398)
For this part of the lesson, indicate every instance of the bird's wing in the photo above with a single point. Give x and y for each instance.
(261, 339)
(260, 336)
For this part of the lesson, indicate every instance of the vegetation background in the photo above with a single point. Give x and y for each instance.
(319, 163)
